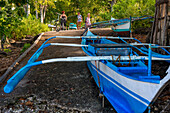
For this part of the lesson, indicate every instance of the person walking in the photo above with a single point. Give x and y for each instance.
(79, 20)
(63, 18)
(88, 23)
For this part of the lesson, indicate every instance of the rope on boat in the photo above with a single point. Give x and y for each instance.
(129, 60)
(119, 57)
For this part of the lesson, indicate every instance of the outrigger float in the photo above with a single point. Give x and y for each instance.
(119, 72)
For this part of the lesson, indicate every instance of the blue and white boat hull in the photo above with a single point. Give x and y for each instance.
(125, 94)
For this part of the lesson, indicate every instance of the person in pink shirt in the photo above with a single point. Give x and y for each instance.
(88, 23)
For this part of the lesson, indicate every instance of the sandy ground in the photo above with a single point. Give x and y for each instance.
(59, 87)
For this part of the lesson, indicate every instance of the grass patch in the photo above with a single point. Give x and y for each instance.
(7, 50)
(26, 46)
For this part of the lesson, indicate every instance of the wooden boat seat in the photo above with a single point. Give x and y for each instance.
(110, 49)
(111, 45)
(113, 51)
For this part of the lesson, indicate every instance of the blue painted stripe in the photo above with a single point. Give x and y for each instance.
(134, 94)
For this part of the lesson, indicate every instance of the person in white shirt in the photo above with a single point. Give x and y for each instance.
(88, 23)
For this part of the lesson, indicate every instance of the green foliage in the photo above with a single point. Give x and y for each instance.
(127, 8)
(7, 50)
(8, 20)
(101, 10)
(12, 25)
(134, 8)
(72, 7)
(29, 26)
(26, 46)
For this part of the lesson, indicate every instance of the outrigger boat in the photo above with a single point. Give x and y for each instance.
(119, 72)
(121, 27)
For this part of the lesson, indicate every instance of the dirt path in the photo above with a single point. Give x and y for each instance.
(59, 87)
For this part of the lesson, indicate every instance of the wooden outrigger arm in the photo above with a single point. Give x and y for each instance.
(67, 44)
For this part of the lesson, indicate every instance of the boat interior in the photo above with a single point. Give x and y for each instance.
(133, 68)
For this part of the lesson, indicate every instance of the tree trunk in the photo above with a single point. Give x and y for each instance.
(28, 9)
(45, 8)
(25, 8)
(41, 13)
(112, 3)
(36, 10)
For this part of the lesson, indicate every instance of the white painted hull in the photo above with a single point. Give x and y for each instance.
(138, 93)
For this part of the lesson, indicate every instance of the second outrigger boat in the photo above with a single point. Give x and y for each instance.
(119, 72)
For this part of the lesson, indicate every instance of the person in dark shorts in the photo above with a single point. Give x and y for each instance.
(63, 18)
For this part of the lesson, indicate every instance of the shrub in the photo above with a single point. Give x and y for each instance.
(30, 26)
(16, 27)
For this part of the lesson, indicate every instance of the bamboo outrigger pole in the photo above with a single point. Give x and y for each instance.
(80, 45)
(14, 80)
(110, 37)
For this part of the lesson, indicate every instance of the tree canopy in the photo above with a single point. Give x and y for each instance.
(100, 10)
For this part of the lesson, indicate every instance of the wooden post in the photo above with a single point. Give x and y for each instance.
(153, 26)
(161, 24)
